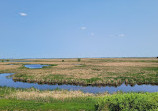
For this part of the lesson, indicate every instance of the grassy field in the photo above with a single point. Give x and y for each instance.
(89, 71)
(12, 99)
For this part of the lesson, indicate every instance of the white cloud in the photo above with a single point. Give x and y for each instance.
(117, 35)
(23, 14)
(83, 28)
(121, 35)
(92, 34)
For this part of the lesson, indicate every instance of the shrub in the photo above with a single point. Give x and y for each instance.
(129, 102)
(79, 59)
(62, 60)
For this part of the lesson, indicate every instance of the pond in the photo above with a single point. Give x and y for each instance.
(8, 81)
(34, 66)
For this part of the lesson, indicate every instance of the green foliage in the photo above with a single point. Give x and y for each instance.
(129, 102)
(94, 79)
(62, 60)
(2, 60)
(49, 66)
(79, 59)
(7, 60)
(151, 68)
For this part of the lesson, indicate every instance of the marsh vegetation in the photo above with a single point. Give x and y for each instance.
(96, 71)
(63, 100)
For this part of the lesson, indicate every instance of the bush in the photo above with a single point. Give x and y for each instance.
(79, 59)
(129, 102)
(62, 60)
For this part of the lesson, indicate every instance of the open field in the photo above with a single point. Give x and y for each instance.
(89, 71)
(62, 100)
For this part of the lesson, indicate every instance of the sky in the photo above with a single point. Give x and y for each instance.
(78, 28)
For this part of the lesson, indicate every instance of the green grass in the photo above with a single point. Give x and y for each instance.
(74, 105)
(91, 80)
(151, 68)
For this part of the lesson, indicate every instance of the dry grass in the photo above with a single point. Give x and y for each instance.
(6, 66)
(133, 64)
(61, 95)
(88, 68)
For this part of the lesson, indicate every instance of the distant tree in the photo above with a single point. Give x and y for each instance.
(2, 60)
(7, 60)
(79, 59)
(62, 60)
(157, 57)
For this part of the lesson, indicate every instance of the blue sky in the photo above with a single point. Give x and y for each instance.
(78, 28)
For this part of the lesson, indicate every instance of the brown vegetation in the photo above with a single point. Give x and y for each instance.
(89, 71)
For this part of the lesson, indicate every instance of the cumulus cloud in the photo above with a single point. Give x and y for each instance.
(83, 28)
(121, 35)
(23, 14)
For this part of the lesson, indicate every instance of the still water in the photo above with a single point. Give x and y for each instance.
(8, 81)
(35, 66)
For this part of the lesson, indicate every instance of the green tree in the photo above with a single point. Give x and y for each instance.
(79, 59)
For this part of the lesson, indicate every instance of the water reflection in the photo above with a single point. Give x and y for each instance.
(5, 81)
(35, 66)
